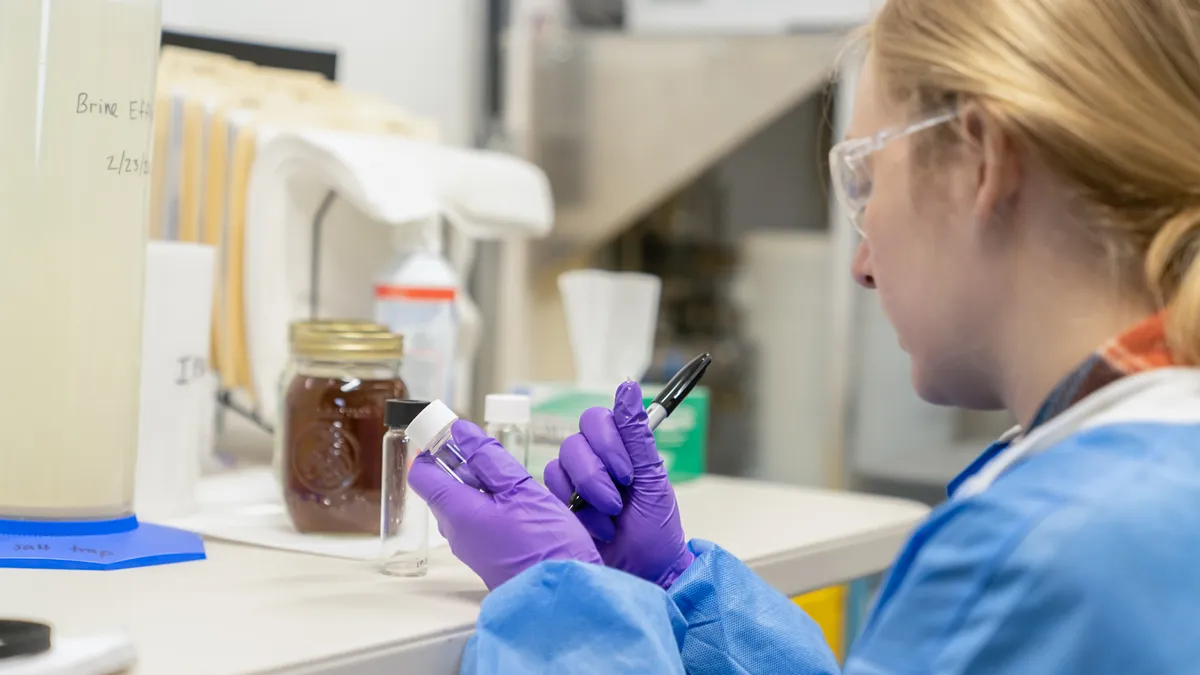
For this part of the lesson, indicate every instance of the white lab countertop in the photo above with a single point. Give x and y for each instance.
(249, 611)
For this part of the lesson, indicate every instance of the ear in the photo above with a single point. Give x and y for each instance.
(999, 169)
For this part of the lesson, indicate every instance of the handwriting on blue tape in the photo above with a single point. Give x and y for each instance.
(139, 546)
(63, 549)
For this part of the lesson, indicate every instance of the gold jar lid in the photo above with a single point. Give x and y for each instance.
(348, 346)
(301, 328)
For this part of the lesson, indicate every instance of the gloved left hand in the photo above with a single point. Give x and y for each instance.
(511, 527)
(637, 527)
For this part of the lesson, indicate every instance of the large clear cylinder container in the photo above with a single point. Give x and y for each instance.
(76, 92)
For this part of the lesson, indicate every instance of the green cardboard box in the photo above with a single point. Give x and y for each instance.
(681, 438)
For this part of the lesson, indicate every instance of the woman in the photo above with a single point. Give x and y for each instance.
(1026, 178)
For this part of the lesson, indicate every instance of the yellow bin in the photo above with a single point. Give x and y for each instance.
(828, 608)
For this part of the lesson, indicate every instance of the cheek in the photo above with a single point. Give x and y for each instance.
(900, 283)
(926, 311)
(934, 285)
(894, 229)
(913, 267)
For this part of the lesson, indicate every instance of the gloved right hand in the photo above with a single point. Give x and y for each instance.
(512, 526)
(637, 527)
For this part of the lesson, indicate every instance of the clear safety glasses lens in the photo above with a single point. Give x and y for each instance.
(851, 180)
(850, 170)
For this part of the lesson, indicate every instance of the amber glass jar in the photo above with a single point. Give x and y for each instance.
(299, 331)
(333, 424)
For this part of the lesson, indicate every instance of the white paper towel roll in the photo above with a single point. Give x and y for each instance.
(175, 378)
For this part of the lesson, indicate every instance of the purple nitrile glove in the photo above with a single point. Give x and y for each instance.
(636, 527)
(513, 526)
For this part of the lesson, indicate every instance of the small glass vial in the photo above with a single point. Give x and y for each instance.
(430, 434)
(506, 417)
(404, 516)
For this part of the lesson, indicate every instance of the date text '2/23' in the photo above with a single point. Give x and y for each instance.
(125, 164)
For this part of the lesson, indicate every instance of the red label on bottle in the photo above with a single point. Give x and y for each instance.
(414, 293)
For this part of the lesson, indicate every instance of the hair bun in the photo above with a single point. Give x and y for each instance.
(1173, 275)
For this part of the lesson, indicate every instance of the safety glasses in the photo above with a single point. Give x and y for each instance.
(850, 166)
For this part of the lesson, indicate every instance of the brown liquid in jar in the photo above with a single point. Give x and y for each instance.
(333, 453)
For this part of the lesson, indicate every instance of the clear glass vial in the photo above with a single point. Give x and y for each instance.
(430, 433)
(506, 417)
(404, 516)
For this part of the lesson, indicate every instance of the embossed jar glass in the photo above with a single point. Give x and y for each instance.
(333, 426)
(299, 331)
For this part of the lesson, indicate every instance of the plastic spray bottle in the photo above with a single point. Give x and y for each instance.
(416, 298)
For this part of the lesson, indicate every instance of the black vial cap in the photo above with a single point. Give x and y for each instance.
(23, 638)
(399, 414)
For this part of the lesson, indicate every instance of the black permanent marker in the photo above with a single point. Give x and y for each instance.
(665, 403)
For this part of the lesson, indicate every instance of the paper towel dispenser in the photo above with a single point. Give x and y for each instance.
(380, 182)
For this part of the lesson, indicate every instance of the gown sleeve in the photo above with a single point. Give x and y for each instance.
(719, 618)
(737, 624)
(1069, 589)
(572, 617)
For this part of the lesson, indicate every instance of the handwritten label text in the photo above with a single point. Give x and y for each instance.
(137, 110)
(127, 165)
(191, 368)
(74, 550)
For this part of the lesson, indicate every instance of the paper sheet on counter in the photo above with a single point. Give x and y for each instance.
(245, 507)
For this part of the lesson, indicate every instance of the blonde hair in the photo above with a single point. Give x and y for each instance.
(1107, 92)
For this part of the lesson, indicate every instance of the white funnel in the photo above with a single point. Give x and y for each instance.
(611, 320)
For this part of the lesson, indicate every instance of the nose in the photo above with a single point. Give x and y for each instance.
(861, 266)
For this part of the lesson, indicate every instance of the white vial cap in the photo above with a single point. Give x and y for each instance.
(506, 409)
(429, 424)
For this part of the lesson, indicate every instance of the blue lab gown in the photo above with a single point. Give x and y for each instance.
(1082, 558)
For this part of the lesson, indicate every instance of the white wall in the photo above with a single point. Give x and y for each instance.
(423, 54)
